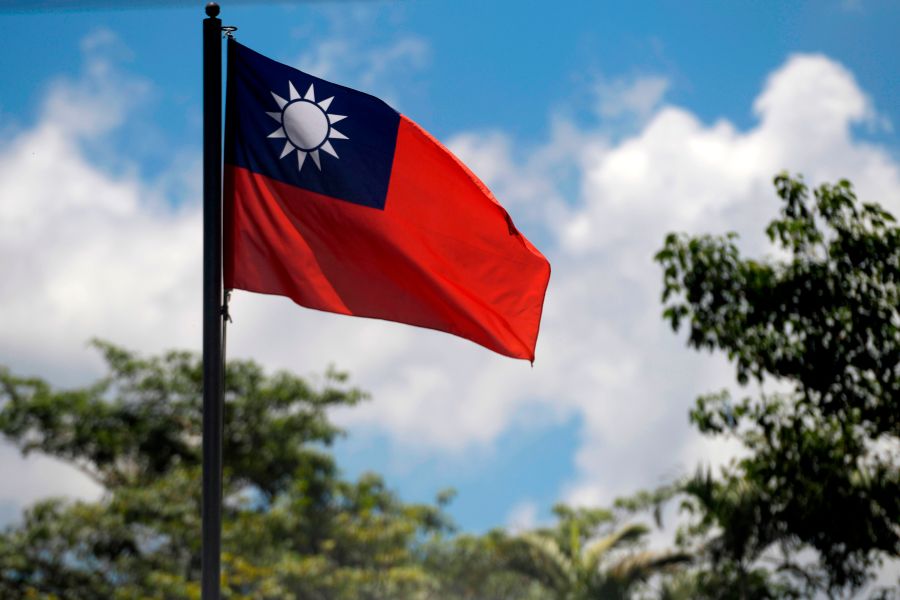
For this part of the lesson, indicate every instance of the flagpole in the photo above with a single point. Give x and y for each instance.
(213, 323)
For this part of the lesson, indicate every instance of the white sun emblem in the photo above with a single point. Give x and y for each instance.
(307, 126)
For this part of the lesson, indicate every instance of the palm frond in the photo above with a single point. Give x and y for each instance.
(641, 566)
(540, 558)
(596, 551)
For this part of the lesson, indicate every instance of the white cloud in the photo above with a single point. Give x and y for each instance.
(96, 102)
(353, 52)
(604, 351)
(636, 97)
(95, 254)
(88, 254)
(38, 478)
(680, 174)
(522, 517)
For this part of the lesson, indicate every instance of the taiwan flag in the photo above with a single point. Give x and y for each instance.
(337, 201)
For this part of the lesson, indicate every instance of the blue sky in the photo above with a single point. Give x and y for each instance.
(600, 126)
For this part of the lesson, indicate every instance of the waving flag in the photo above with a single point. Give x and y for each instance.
(340, 203)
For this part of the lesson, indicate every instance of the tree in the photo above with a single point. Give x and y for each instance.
(822, 323)
(292, 527)
(586, 556)
(472, 567)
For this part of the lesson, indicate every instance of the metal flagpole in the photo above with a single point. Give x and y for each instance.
(213, 322)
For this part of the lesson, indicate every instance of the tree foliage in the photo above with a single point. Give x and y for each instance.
(292, 527)
(820, 324)
(586, 555)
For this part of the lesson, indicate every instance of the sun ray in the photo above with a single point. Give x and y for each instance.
(310, 94)
(275, 115)
(327, 147)
(281, 102)
(301, 157)
(337, 135)
(288, 148)
(278, 133)
(294, 94)
(324, 104)
(315, 156)
(335, 118)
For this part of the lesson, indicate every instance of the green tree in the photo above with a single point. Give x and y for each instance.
(292, 527)
(472, 567)
(821, 323)
(586, 556)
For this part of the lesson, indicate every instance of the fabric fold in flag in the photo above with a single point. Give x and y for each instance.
(337, 201)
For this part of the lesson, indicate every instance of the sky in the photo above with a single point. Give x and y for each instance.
(600, 127)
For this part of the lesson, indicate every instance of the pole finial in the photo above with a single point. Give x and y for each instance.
(212, 10)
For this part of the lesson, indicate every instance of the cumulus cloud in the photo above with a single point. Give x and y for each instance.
(635, 97)
(680, 174)
(605, 353)
(355, 53)
(95, 253)
(88, 253)
(112, 255)
(340, 58)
